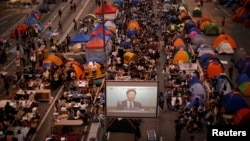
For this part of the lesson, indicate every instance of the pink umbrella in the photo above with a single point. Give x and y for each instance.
(192, 34)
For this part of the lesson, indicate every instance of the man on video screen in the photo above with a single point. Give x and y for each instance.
(129, 103)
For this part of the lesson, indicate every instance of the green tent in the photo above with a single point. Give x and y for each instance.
(211, 29)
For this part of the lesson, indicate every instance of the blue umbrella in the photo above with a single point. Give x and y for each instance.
(96, 59)
(131, 32)
(80, 37)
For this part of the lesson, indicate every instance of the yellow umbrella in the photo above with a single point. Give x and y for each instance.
(90, 16)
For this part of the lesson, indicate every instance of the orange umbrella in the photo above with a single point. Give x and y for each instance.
(55, 59)
(133, 25)
(179, 42)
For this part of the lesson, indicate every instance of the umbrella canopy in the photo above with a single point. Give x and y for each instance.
(133, 25)
(245, 88)
(72, 62)
(47, 64)
(241, 117)
(241, 78)
(55, 59)
(90, 16)
(80, 38)
(233, 102)
(131, 32)
(96, 59)
(78, 58)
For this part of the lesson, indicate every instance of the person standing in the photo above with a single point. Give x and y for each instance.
(49, 25)
(230, 71)
(33, 61)
(60, 26)
(60, 13)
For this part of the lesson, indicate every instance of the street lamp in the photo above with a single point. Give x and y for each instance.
(103, 30)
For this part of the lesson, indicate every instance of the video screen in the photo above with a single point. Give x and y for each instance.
(131, 98)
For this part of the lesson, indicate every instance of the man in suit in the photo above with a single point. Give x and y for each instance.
(129, 103)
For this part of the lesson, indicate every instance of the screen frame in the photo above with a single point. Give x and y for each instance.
(132, 83)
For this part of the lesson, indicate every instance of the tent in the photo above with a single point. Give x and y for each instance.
(211, 29)
(224, 48)
(80, 38)
(239, 53)
(205, 18)
(233, 102)
(223, 38)
(205, 49)
(95, 48)
(241, 78)
(178, 42)
(181, 56)
(198, 39)
(109, 11)
(198, 89)
(192, 34)
(241, 117)
(133, 25)
(245, 88)
(188, 25)
(72, 62)
(203, 25)
(197, 12)
(223, 84)
(203, 59)
(241, 62)
(129, 56)
(213, 69)
(55, 59)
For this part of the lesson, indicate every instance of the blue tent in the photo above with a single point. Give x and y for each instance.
(232, 102)
(223, 83)
(31, 21)
(205, 57)
(241, 78)
(198, 89)
(240, 63)
(79, 38)
(195, 29)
